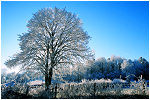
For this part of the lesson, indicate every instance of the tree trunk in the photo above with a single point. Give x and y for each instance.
(48, 78)
(50, 75)
(46, 82)
(46, 70)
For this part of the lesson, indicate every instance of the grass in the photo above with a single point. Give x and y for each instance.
(15, 95)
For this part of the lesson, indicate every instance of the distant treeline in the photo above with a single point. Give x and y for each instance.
(111, 68)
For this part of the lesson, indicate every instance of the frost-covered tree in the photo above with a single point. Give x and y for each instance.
(116, 62)
(141, 67)
(55, 39)
(136, 68)
(117, 67)
(145, 68)
(128, 67)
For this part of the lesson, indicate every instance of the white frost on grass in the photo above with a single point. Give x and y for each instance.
(96, 81)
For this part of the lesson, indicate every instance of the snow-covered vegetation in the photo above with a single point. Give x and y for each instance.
(101, 87)
(111, 76)
(114, 67)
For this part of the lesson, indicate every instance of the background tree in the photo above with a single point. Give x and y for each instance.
(117, 67)
(55, 39)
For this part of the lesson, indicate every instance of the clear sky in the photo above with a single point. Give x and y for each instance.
(117, 28)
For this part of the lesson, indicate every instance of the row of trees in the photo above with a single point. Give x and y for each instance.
(111, 68)
(22, 77)
(114, 67)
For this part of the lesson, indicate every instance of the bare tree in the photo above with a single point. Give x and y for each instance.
(55, 38)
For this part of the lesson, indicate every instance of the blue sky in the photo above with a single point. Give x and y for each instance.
(117, 28)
